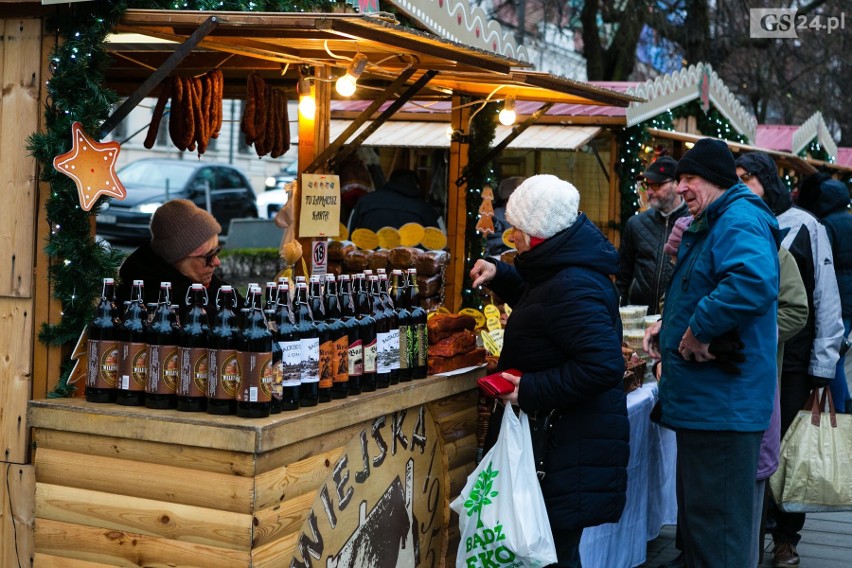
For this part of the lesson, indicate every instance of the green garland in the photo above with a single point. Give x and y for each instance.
(816, 151)
(482, 129)
(77, 264)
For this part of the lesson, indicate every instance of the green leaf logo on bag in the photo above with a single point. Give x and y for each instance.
(481, 548)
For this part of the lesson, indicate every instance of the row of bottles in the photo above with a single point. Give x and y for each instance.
(280, 351)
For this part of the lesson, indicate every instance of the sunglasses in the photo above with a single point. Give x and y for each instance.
(210, 256)
(655, 186)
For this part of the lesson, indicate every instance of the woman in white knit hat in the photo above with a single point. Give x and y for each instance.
(564, 336)
(184, 249)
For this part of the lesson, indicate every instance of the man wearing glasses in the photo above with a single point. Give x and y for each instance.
(645, 269)
(184, 249)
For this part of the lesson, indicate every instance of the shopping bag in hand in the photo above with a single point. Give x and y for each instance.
(815, 467)
(502, 518)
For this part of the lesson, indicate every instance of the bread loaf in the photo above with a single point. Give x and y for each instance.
(440, 326)
(431, 262)
(459, 342)
(429, 285)
(404, 257)
(356, 261)
(337, 250)
(379, 259)
(439, 365)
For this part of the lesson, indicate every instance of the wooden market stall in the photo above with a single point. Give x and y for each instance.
(105, 485)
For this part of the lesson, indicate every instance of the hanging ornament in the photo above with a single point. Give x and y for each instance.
(80, 356)
(485, 224)
(91, 165)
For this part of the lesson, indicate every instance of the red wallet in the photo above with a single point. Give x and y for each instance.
(496, 384)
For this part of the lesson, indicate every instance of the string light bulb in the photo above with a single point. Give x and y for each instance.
(345, 85)
(507, 115)
(307, 102)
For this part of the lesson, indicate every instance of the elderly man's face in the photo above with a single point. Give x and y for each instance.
(200, 264)
(662, 196)
(697, 192)
(751, 181)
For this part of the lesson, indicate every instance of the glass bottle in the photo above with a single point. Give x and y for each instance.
(224, 368)
(270, 307)
(287, 338)
(163, 362)
(102, 373)
(193, 352)
(367, 334)
(399, 296)
(393, 330)
(133, 351)
(309, 347)
(339, 338)
(326, 347)
(419, 338)
(384, 351)
(255, 354)
(355, 354)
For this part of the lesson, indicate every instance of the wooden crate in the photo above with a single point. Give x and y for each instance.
(125, 486)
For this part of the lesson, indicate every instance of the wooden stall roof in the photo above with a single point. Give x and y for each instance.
(279, 44)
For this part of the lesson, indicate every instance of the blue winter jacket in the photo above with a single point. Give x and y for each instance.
(725, 277)
(564, 334)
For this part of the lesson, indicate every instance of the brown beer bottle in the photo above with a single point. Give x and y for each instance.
(418, 336)
(403, 316)
(102, 373)
(355, 353)
(223, 377)
(133, 351)
(163, 360)
(339, 339)
(193, 352)
(291, 350)
(326, 347)
(367, 333)
(254, 395)
(309, 346)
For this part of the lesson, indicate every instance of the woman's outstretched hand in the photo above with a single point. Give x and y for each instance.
(482, 272)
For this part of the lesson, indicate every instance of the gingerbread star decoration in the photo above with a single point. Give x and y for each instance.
(91, 165)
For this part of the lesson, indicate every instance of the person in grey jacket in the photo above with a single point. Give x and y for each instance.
(644, 268)
(810, 357)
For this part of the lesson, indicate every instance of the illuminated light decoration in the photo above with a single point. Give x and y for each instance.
(346, 84)
(507, 115)
(307, 102)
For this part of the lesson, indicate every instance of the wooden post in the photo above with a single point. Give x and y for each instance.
(456, 206)
(614, 207)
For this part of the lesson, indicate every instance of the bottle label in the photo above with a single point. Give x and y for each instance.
(193, 372)
(102, 372)
(224, 374)
(403, 347)
(291, 361)
(422, 345)
(385, 352)
(371, 352)
(341, 360)
(163, 369)
(356, 359)
(134, 366)
(310, 359)
(326, 364)
(256, 377)
(393, 348)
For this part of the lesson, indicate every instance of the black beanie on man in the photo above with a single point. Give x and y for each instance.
(712, 160)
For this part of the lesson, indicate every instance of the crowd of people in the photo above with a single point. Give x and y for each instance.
(755, 297)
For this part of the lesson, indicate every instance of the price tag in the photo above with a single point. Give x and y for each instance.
(476, 314)
(493, 323)
(489, 343)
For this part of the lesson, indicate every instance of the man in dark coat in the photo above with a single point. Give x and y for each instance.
(396, 203)
(564, 337)
(184, 249)
(645, 269)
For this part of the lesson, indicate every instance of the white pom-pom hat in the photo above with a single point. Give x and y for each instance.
(543, 205)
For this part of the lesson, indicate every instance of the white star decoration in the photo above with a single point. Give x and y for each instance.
(91, 165)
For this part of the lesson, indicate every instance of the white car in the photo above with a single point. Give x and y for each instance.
(277, 191)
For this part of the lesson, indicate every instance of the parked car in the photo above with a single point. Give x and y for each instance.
(277, 193)
(219, 188)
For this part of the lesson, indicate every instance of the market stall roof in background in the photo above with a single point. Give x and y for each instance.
(279, 45)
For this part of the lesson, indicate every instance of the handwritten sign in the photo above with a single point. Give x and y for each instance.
(320, 207)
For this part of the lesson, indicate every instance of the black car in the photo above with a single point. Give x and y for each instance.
(219, 188)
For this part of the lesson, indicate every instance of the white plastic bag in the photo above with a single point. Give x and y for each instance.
(502, 517)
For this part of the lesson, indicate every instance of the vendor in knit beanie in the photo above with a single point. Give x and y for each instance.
(542, 206)
(184, 249)
(712, 160)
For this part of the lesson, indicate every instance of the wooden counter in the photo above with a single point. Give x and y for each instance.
(340, 484)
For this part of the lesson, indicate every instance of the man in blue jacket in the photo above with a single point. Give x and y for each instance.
(725, 284)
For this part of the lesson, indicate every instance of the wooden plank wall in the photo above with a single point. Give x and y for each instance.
(20, 110)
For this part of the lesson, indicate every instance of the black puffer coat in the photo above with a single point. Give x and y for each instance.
(645, 270)
(564, 334)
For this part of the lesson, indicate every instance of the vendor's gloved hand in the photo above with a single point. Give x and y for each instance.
(818, 382)
(728, 350)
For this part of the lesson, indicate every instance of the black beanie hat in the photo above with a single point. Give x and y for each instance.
(712, 160)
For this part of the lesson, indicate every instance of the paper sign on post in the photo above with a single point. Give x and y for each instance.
(320, 207)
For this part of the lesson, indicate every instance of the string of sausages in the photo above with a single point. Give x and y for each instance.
(265, 121)
(195, 114)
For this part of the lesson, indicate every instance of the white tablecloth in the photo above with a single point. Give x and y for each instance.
(651, 501)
